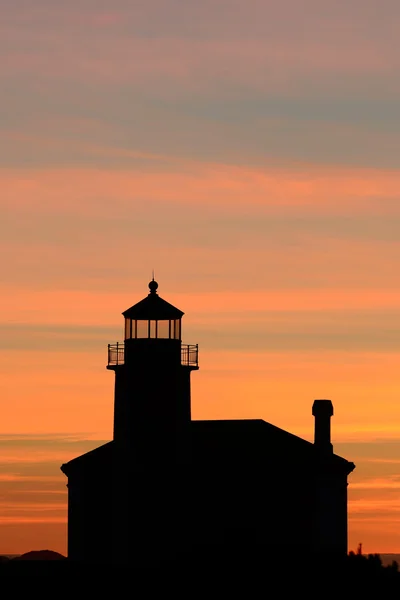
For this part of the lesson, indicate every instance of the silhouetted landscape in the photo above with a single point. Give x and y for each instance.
(227, 566)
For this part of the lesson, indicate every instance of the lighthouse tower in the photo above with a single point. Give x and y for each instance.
(152, 368)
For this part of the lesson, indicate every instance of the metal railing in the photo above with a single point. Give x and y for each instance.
(116, 354)
(189, 354)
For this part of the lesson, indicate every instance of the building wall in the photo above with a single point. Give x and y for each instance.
(267, 511)
(89, 527)
(158, 514)
(330, 521)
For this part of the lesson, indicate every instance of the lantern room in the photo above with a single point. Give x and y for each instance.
(152, 325)
(153, 318)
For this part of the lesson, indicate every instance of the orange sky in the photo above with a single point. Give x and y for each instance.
(249, 158)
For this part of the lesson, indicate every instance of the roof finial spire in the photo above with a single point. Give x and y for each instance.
(153, 285)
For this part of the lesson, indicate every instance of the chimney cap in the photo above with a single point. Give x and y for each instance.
(322, 408)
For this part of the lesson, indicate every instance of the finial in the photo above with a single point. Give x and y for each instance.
(153, 285)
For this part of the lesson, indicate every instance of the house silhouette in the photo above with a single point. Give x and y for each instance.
(168, 486)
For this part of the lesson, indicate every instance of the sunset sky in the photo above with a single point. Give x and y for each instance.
(248, 151)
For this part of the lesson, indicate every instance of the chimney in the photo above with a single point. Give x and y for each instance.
(322, 411)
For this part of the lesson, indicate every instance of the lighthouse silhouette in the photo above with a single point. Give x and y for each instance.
(169, 487)
(152, 407)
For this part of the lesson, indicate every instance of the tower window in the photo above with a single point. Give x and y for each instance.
(145, 329)
(163, 329)
(128, 329)
(177, 329)
(153, 329)
(142, 329)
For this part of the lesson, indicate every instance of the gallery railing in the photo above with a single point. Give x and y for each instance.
(189, 354)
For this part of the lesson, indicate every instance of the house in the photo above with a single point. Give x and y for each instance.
(167, 486)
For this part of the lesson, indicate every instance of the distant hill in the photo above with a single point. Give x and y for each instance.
(4, 558)
(40, 555)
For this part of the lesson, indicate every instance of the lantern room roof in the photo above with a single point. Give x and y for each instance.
(153, 307)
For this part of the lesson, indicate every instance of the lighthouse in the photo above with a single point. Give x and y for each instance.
(152, 369)
(169, 488)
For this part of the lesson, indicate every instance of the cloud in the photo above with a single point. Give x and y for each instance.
(68, 308)
(374, 507)
(90, 191)
(225, 227)
(33, 502)
(168, 42)
(33, 489)
(212, 81)
(390, 483)
(312, 328)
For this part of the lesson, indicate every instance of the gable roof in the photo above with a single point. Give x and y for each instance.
(233, 443)
(255, 441)
(103, 455)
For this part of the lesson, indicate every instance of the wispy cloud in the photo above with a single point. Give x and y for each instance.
(320, 191)
(32, 487)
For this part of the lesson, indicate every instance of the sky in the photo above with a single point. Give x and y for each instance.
(248, 152)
